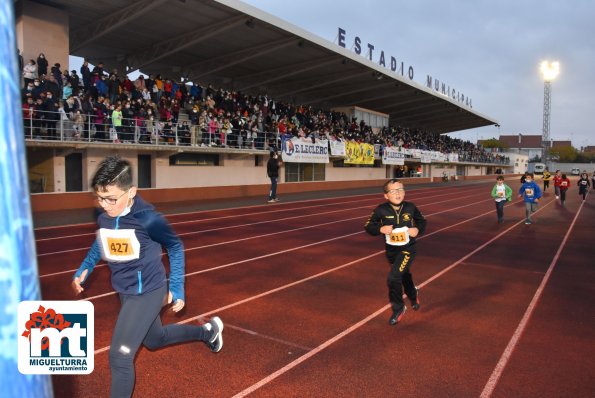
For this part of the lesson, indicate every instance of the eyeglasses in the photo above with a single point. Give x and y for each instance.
(395, 191)
(110, 201)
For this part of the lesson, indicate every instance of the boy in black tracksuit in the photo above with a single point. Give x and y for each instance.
(400, 222)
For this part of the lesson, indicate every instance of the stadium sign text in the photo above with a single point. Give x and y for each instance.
(357, 47)
(431, 83)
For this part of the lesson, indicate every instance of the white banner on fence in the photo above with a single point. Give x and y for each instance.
(298, 150)
(391, 155)
(425, 157)
(337, 147)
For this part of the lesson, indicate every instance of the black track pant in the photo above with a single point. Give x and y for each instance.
(400, 278)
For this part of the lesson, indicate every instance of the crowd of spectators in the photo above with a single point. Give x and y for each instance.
(107, 106)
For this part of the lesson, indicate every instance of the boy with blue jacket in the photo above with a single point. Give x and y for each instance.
(531, 193)
(130, 238)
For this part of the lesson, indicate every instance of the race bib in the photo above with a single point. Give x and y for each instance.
(529, 192)
(118, 244)
(500, 194)
(584, 182)
(398, 237)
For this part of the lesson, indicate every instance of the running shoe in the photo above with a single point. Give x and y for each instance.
(397, 316)
(216, 341)
(415, 303)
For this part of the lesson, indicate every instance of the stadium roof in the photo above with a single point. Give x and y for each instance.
(238, 47)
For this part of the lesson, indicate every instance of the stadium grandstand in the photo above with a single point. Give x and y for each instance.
(222, 84)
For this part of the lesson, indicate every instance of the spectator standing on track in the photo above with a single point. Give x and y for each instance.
(501, 194)
(130, 238)
(564, 185)
(400, 222)
(530, 192)
(583, 185)
(547, 176)
(273, 166)
(557, 179)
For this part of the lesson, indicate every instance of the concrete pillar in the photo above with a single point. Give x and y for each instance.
(42, 29)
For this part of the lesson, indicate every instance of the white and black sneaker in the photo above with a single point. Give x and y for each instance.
(216, 341)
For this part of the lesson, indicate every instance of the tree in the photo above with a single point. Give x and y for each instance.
(493, 143)
(567, 154)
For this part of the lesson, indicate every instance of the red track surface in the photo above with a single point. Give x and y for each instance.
(507, 309)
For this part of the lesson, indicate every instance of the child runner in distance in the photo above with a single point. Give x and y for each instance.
(501, 194)
(557, 179)
(530, 192)
(547, 176)
(583, 185)
(564, 185)
(400, 222)
(130, 238)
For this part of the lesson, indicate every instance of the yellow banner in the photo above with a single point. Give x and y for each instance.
(356, 153)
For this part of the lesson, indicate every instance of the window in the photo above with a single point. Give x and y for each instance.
(194, 159)
(299, 172)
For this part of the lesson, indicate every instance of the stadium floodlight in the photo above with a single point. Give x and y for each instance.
(549, 71)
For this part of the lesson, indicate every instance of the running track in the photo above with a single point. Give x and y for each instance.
(507, 309)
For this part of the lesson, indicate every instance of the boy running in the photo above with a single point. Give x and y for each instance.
(530, 192)
(501, 193)
(400, 222)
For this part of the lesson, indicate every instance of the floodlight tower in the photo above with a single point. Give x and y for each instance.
(549, 71)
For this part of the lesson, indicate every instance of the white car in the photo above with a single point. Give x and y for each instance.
(575, 171)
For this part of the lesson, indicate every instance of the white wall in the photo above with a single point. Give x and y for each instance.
(567, 167)
(520, 161)
(234, 170)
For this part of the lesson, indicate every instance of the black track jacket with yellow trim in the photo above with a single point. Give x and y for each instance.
(408, 215)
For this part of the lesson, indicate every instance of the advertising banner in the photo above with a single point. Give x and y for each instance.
(337, 147)
(392, 155)
(359, 153)
(302, 150)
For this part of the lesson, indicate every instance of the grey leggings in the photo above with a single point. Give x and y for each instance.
(139, 322)
(530, 208)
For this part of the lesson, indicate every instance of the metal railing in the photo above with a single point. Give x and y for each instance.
(77, 127)
(58, 126)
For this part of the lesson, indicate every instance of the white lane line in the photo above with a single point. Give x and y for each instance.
(267, 337)
(248, 299)
(267, 211)
(357, 325)
(508, 351)
(250, 224)
(263, 294)
(101, 265)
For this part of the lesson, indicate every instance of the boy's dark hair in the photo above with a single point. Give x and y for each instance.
(500, 178)
(391, 181)
(113, 170)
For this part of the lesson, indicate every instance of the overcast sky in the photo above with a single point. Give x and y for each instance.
(489, 50)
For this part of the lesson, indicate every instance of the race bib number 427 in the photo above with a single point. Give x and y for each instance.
(119, 244)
